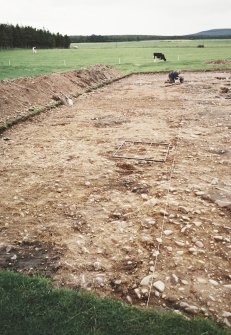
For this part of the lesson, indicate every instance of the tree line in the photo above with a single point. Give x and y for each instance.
(27, 37)
(112, 38)
(127, 38)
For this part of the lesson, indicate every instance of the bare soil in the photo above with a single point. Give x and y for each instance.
(151, 233)
(20, 96)
(219, 61)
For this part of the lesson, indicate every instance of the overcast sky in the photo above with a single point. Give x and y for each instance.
(118, 17)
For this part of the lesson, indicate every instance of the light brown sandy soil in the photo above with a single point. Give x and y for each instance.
(72, 211)
(20, 96)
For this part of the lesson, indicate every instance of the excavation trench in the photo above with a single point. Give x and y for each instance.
(147, 232)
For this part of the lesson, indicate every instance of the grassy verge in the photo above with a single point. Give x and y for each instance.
(31, 306)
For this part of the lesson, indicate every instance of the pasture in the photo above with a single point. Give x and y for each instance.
(125, 56)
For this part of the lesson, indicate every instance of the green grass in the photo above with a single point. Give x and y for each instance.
(126, 56)
(31, 306)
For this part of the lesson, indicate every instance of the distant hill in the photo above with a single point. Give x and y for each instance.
(214, 33)
(207, 34)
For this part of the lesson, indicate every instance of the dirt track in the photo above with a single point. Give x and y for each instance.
(74, 212)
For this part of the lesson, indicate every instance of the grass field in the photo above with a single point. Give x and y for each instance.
(126, 56)
(31, 306)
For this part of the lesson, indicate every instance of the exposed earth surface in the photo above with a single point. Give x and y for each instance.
(124, 190)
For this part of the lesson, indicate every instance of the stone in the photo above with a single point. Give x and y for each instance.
(218, 238)
(183, 304)
(155, 253)
(171, 298)
(214, 181)
(202, 280)
(150, 221)
(146, 239)
(144, 196)
(180, 243)
(14, 257)
(159, 285)
(9, 248)
(220, 195)
(144, 291)
(184, 282)
(227, 323)
(184, 210)
(164, 212)
(212, 298)
(97, 266)
(168, 232)
(199, 193)
(146, 280)
(192, 250)
(197, 223)
(226, 314)
(129, 299)
(227, 286)
(199, 244)
(85, 250)
(174, 279)
(185, 228)
(99, 280)
(137, 292)
(213, 282)
(192, 309)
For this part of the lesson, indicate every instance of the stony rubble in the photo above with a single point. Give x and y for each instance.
(118, 227)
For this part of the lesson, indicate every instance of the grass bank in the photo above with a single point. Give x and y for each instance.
(31, 306)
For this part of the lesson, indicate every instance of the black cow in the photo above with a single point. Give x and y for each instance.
(159, 55)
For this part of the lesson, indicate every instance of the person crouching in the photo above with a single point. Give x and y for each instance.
(175, 75)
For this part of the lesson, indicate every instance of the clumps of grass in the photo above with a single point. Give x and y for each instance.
(32, 306)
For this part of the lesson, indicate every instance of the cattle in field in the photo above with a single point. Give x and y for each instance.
(201, 46)
(159, 55)
(34, 50)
